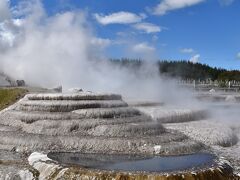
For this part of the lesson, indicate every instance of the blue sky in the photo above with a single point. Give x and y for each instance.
(206, 31)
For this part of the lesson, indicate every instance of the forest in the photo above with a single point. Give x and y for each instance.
(183, 69)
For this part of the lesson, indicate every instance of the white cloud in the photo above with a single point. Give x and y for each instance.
(143, 48)
(119, 18)
(238, 55)
(195, 58)
(4, 10)
(147, 27)
(186, 50)
(155, 38)
(226, 2)
(100, 42)
(168, 5)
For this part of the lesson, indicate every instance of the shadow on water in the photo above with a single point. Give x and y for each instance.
(134, 163)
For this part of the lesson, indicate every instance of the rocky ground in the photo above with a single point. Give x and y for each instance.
(103, 123)
(222, 139)
(14, 166)
(219, 128)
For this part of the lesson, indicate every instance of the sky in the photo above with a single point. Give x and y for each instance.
(205, 31)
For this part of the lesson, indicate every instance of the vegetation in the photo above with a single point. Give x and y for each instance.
(9, 96)
(184, 70)
(189, 70)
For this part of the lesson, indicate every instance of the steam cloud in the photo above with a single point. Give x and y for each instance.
(62, 50)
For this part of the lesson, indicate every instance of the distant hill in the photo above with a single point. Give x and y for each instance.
(184, 70)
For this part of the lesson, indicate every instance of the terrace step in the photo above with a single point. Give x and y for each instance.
(67, 105)
(76, 97)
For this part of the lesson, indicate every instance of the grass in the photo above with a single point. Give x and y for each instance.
(9, 96)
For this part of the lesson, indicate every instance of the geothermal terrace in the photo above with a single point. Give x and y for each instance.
(100, 124)
(87, 122)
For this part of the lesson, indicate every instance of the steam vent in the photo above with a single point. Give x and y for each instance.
(103, 129)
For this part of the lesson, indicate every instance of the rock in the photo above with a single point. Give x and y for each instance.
(58, 89)
(25, 174)
(20, 83)
(212, 90)
(75, 90)
(230, 98)
(14, 166)
(45, 166)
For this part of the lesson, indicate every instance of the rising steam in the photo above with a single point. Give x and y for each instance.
(62, 50)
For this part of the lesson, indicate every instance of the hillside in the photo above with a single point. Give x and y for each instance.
(184, 70)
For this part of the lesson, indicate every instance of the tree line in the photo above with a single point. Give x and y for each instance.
(183, 69)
